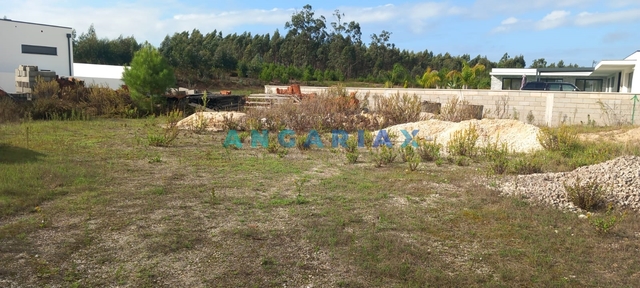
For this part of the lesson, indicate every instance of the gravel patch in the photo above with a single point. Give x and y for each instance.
(621, 176)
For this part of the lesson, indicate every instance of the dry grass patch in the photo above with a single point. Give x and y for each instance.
(208, 216)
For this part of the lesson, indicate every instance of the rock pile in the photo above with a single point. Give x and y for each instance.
(620, 176)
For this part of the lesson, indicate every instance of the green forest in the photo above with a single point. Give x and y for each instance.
(312, 49)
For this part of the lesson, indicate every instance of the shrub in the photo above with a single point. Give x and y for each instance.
(320, 112)
(526, 165)
(429, 150)
(383, 155)
(562, 138)
(170, 131)
(45, 89)
(407, 153)
(589, 195)
(9, 110)
(463, 160)
(463, 142)
(275, 148)
(351, 151)
(605, 223)
(101, 100)
(398, 109)
(457, 110)
(243, 136)
(300, 143)
(410, 156)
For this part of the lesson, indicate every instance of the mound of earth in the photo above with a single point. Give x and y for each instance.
(620, 176)
(519, 136)
(621, 136)
(210, 121)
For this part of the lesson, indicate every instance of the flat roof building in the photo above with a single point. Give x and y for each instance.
(606, 76)
(48, 47)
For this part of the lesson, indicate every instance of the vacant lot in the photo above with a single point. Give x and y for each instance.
(90, 203)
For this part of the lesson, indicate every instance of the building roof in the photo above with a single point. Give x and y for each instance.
(31, 23)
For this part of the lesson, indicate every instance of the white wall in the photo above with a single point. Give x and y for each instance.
(547, 107)
(104, 75)
(14, 34)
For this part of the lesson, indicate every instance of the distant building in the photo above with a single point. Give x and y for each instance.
(102, 75)
(48, 47)
(607, 76)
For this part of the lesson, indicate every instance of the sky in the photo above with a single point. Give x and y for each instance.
(575, 31)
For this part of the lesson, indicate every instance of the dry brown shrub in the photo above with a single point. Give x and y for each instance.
(456, 110)
(320, 112)
(9, 109)
(45, 89)
(106, 101)
(398, 109)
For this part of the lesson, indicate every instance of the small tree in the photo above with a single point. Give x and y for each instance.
(148, 78)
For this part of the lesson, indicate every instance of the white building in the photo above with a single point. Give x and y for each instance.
(46, 46)
(101, 75)
(607, 76)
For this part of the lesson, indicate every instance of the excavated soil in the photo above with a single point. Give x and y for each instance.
(209, 121)
(519, 136)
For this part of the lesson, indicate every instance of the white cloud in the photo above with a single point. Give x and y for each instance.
(509, 21)
(586, 18)
(489, 8)
(553, 20)
(511, 24)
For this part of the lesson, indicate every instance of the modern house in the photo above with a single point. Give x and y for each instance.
(606, 76)
(48, 47)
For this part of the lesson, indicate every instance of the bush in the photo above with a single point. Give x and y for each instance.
(383, 155)
(351, 151)
(457, 110)
(562, 138)
(320, 112)
(429, 150)
(170, 131)
(526, 165)
(275, 148)
(589, 195)
(300, 143)
(9, 109)
(398, 109)
(605, 223)
(463, 142)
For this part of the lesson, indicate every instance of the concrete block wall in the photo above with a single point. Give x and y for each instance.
(546, 107)
(27, 76)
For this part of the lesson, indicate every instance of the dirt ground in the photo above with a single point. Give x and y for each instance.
(624, 135)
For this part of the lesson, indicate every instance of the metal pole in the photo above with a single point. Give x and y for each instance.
(633, 114)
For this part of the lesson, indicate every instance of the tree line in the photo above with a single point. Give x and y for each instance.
(312, 49)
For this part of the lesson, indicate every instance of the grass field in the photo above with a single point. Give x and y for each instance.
(90, 203)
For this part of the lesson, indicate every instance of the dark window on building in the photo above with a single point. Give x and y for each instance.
(41, 50)
(511, 83)
(551, 80)
(594, 85)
